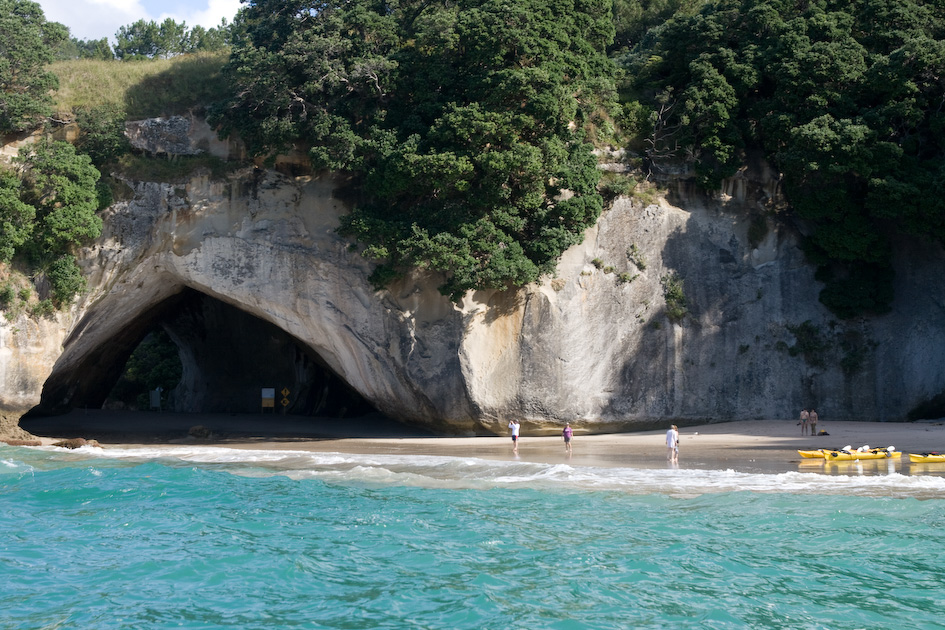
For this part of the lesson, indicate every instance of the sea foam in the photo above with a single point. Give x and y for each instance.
(427, 471)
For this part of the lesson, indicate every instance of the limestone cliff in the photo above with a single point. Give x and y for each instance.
(249, 272)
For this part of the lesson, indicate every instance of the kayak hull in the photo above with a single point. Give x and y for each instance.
(849, 456)
(926, 458)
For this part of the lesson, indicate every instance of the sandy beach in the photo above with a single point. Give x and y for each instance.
(746, 446)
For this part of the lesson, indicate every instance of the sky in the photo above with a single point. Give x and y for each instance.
(95, 19)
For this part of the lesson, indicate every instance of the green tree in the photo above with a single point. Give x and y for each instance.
(154, 363)
(95, 49)
(60, 185)
(173, 38)
(140, 40)
(461, 122)
(150, 40)
(65, 279)
(844, 97)
(27, 45)
(633, 19)
(101, 133)
(16, 217)
(85, 49)
(216, 38)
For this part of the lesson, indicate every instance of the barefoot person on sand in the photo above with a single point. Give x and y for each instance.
(672, 444)
(812, 420)
(567, 434)
(516, 427)
(805, 417)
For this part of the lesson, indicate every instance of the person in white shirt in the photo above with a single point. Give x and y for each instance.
(672, 444)
(516, 428)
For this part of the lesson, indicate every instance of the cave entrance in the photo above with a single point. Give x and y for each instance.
(228, 356)
(225, 357)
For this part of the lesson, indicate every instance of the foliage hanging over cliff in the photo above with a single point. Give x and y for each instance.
(463, 122)
(46, 210)
(27, 42)
(845, 97)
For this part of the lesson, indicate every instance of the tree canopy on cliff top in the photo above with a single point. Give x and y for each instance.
(47, 196)
(845, 97)
(461, 120)
(27, 42)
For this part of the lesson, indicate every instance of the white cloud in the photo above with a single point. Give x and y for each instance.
(95, 19)
(211, 16)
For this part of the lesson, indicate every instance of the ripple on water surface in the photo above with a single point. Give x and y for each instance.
(212, 538)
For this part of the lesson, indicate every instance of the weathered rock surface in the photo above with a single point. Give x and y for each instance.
(179, 135)
(592, 345)
(28, 350)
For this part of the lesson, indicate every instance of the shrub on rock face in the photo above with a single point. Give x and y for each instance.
(677, 306)
(60, 184)
(52, 211)
(102, 133)
(65, 279)
(16, 217)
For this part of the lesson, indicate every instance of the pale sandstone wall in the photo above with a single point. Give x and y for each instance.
(28, 350)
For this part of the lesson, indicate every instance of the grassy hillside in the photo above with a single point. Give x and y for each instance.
(143, 89)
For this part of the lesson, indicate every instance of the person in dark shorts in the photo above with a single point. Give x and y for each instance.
(567, 434)
(516, 428)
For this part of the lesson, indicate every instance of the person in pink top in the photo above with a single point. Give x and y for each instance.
(567, 434)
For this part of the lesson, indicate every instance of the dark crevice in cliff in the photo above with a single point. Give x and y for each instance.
(227, 359)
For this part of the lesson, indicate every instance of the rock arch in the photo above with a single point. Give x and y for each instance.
(259, 249)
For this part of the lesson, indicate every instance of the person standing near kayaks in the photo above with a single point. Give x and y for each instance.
(672, 443)
(812, 421)
(516, 427)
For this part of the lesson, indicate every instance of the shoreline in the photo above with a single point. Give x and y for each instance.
(765, 446)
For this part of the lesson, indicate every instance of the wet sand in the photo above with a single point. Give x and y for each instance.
(746, 446)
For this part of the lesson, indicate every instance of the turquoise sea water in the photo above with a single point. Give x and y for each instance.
(225, 538)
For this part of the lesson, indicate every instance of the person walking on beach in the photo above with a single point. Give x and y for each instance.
(805, 417)
(812, 420)
(567, 434)
(516, 428)
(672, 444)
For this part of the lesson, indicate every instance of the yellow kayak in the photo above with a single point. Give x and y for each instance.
(849, 456)
(818, 454)
(926, 458)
